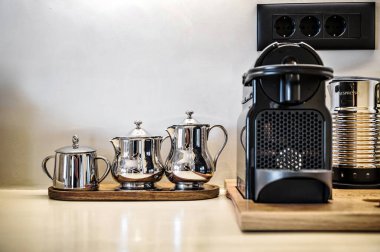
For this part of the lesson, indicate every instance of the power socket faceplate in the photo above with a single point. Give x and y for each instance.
(321, 25)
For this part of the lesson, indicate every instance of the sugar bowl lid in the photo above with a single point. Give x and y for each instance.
(75, 148)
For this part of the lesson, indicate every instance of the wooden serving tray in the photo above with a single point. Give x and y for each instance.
(350, 210)
(108, 192)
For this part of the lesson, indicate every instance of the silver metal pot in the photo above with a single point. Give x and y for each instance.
(355, 105)
(190, 164)
(137, 163)
(76, 167)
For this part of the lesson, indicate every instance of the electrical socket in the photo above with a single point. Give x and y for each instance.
(321, 25)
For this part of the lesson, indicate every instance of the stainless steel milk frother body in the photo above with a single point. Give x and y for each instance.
(356, 126)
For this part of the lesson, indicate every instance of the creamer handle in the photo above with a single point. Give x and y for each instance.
(108, 164)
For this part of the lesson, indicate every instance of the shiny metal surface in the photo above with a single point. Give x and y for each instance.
(76, 170)
(356, 122)
(137, 163)
(190, 164)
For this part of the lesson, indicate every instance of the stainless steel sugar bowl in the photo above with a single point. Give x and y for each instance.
(190, 164)
(355, 103)
(76, 167)
(137, 164)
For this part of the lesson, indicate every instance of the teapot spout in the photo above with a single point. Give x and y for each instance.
(115, 144)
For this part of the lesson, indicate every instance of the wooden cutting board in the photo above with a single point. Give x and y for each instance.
(350, 210)
(108, 192)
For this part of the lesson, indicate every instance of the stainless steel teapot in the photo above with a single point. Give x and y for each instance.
(76, 167)
(190, 164)
(137, 163)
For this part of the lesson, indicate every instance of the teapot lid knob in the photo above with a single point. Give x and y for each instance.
(75, 142)
(189, 114)
(138, 131)
(138, 123)
(190, 120)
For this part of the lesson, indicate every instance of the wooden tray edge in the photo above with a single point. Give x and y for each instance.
(212, 191)
(344, 222)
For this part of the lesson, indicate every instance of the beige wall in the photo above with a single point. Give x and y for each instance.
(93, 67)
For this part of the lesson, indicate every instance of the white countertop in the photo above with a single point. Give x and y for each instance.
(31, 222)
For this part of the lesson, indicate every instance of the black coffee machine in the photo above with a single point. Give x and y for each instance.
(284, 155)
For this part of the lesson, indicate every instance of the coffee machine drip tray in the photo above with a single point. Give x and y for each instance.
(286, 186)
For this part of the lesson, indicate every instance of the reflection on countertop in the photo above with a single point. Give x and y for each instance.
(32, 222)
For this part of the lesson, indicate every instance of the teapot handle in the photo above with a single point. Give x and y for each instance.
(170, 152)
(224, 144)
(44, 168)
(107, 169)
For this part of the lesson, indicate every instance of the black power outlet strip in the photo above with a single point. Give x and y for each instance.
(321, 25)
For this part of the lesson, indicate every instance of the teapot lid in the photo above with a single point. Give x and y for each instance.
(75, 148)
(138, 131)
(190, 120)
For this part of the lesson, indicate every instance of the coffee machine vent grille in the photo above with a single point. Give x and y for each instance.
(289, 139)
